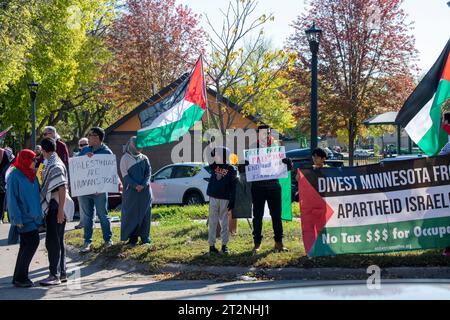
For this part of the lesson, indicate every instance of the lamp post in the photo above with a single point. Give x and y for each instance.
(33, 87)
(313, 34)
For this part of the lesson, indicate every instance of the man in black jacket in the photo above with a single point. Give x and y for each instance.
(270, 191)
(221, 191)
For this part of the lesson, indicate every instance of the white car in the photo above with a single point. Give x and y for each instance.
(181, 183)
(361, 153)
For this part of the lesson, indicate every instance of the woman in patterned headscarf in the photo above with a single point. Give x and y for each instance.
(137, 196)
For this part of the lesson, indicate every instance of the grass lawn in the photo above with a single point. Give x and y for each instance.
(179, 239)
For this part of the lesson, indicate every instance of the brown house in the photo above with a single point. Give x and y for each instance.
(120, 132)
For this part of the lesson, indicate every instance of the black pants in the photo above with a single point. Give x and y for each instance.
(29, 242)
(54, 241)
(273, 198)
(2, 206)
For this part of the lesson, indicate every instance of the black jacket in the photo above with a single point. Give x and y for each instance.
(222, 184)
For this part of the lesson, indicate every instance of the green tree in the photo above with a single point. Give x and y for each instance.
(65, 58)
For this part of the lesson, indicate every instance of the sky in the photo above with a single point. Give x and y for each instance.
(426, 15)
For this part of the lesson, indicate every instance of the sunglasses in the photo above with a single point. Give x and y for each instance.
(92, 135)
(82, 145)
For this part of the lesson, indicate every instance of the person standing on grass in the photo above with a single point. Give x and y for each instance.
(99, 201)
(319, 156)
(24, 212)
(82, 143)
(270, 191)
(137, 195)
(221, 191)
(57, 208)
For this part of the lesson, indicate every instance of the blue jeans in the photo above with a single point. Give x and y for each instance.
(87, 204)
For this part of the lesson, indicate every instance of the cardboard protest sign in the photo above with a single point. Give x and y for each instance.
(265, 163)
(397, 205)
(97, 174)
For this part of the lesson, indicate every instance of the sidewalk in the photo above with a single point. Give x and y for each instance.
(116, 279)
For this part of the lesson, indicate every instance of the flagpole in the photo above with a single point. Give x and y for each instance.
(205, 90)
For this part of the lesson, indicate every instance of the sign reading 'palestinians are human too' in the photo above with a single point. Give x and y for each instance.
(393, 206)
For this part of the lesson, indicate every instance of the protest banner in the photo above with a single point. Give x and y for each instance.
(97, 174)
(393, 206)
(265, 163)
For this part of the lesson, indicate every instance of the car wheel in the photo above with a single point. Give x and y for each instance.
(193, 198)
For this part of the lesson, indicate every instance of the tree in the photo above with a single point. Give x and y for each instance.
(242, 66)
(366, 61)
(64, 58)
(153, 43)
(15, 41)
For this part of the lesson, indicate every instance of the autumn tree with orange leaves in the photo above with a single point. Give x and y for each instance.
(153, 42)
(366, 63)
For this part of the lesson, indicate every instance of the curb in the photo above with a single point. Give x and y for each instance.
(253, 273)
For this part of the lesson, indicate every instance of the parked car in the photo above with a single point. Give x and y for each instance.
(181, 183)
(333, 155)
(404, 157)
(361, 153)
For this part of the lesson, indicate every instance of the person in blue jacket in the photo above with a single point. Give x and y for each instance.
(25, 213)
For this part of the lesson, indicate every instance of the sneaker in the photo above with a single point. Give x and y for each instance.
(257, 248)
(213, 249)
(446, 252)
(279, 247)
(79, 226)
(108, 244)
(23, 284)
(50, 281)
(63, 278)
(87, 248)
(225, 250)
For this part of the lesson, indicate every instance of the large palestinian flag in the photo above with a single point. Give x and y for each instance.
(421, 113)
(171, 118)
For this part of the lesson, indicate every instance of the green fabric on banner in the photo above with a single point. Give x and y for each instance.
(286, 198)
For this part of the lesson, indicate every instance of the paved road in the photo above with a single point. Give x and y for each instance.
(99, 282)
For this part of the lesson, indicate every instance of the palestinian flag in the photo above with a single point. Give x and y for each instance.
(171, 118)
(421, 113)
(4, 132)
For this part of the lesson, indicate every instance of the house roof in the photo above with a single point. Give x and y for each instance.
(382, 119)
(158, 96)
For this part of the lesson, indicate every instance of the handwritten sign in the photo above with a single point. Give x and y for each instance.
(97, 174)
(265, 163)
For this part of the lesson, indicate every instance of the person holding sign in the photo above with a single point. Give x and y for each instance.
(137, 195)
(98, 200)
(270, 191)
(58, 208)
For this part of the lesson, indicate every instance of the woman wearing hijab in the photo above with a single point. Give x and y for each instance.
(25, 212)
(137, 195)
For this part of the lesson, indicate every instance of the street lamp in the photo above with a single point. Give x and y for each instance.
(33, 87)
(313, 34)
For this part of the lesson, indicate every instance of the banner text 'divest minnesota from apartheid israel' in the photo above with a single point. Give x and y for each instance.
(392, 206)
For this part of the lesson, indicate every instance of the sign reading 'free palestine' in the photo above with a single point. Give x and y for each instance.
(97, 174)
(398, 205)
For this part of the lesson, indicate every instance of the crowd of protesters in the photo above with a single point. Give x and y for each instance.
(34, 190)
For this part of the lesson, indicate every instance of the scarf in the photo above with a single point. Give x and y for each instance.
(53, 176)
(446, 128)
(23, 162)
(131, 149)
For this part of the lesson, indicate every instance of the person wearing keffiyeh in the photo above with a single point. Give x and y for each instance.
(57, 208)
